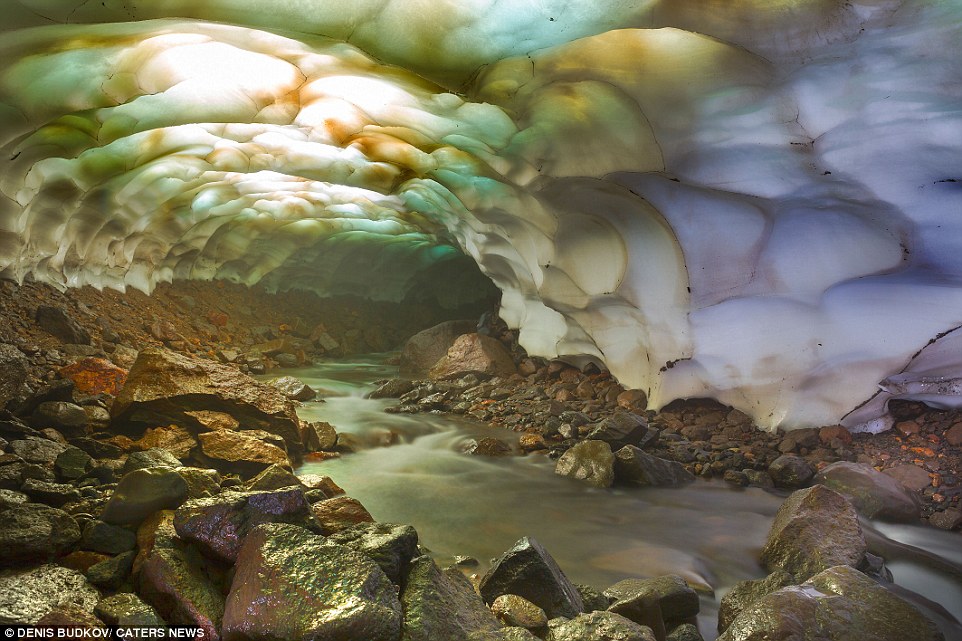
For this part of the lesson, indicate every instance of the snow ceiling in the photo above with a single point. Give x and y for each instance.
(758, 201)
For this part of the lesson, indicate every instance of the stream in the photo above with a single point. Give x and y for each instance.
(709, 532)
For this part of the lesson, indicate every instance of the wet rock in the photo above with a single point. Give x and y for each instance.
(744, 593)
(390, 546)
(911, 476)
(290, 584)
(473, 353)
(684, 632)
(112, 573)
(670, 596)
(73, 463)
(838, 604)
(172, 438)
(69, 615)
(516, 611)
(273, 478)
(598, 626)
(31, 532)
(394, 388)
(246, 453)
(218, 525)
(143, 492)
(487, 447)
(69, 417)
(13, 364)
(443, 605)
(59, 390)
(532, 442)
(620, 429)
(948, 519)
(339, 513)
(592, 598)
(318, 436)
(873, 494)
(427, 347)
(791, 472)
(10, 498)
(953, 435)
(635, 467)
(814, 529)
(127, 610)
(53, 494)
(57, 323)
(27, 595)
(36, 450)
(96, 448)
(322, 483)
(11, 476)
(176, 580)
(154, 457)
(164, 387)
(527, 570)
(109, 539)
(94, 376)
(633, 400)
(589, 461)
(293, 388)
(201, 482)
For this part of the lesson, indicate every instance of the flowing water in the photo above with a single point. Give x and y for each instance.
(708, 532)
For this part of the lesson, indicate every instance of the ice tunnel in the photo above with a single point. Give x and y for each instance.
(759, 202)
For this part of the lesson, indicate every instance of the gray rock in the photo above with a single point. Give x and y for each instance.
(948, 519)
(744, 593)
(27, 595)
(487, 446)
(290, 584)
(56, 322)
(598, 626)
(127, 610)
(635, 467)
(108, 539)
(589, 461)
(154, 457)
(474, 353)
(426, 348)
(620, 429)
(13, 364)
(143, 492)
(53, 494)
(685, 632)
(911, 476)
(791, 472)
(273, 478)
(814, 529)
(32, 532)
(319, 436)
(293, 388)
(36, 450)
(875, 495)
(592, 598)
(390, 546)
(443, 605)
(73, 463)
(674, 598)
(287, 360)
(201, 482)
(97, 449)
(218, 525)
(60, 415)
(529, 571)
(11, 498)
(113, 572)
(838, 604)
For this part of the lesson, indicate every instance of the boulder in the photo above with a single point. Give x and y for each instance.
(218, 525)
(154, 457)
(528, 571)
(112, 573)
(32, 532)
(10, 498)
(163, 387)
(948, 519)
(838, 604)
(635, 467)
(318, 436)
(27, 595)
(201, 482)
(620, 429)
(109, 539)
(36, 450)
(57, 323)
(487, 446)
(744, 593)
(589, 461)
(320, 482)
(49, 493)
(94, 376)
(273, 478)
(175, 579)
(685, 632)
(911, 476)
(670, 596)
(514, 610)
(143, 492)
(13, 364)
(427, 347)
(73, 463)
(293, 388)
(173, 438)
(390, 546)
(874, 495)
(474, 353)
(341, 512)
(69, 615)
(127, 610)
(791, 472)
(291, 584)
(246, 453)
(598, 626)
(443, 605)
(814, 529)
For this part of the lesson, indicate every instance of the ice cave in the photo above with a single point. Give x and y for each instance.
(757, 202)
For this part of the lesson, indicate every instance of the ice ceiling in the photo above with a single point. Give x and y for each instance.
(754, 200)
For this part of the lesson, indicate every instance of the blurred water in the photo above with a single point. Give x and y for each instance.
(708, 532)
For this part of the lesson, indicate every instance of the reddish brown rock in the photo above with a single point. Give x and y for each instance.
(474, 353)
(339, 513)
(246, 453)
(427, 347)
(953, 436)
(95, 376)
(911, 476)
